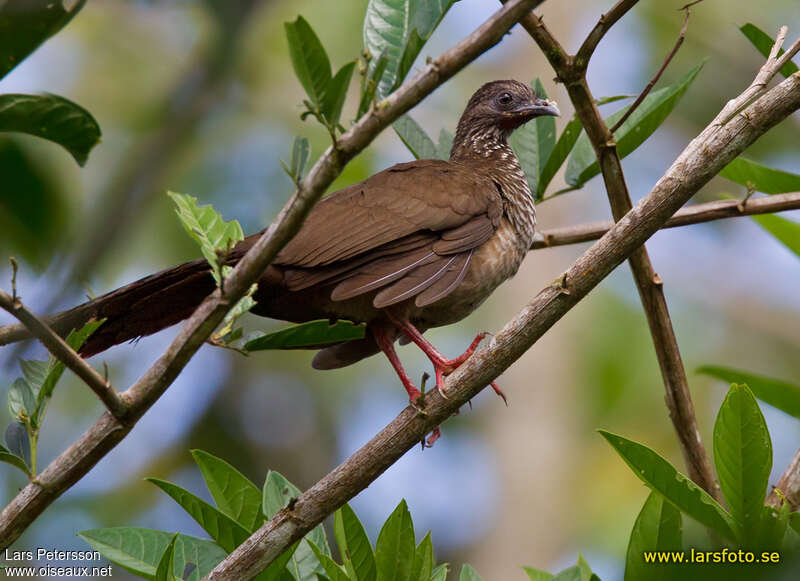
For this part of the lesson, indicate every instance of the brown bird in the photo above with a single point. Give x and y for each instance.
(416, 246)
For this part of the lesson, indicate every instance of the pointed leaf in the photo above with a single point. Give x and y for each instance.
(26, 24)
(53, 118)
(427, 14)
(166, 565)
(786, 231)
(277, 570)
(760, 178)
(572, 574)
(657, 528)
(440, 572)
(336, 93)
(763, 42)
(783, 395)
(585, 569)
(225, 531)
(394, 550)
(19, 443)
(332, 569)
(9, 458)
(370, 83)
(359, 560)
(21, 401)
(300, 152)
(469, 574)
(555, 160)
(234, 494)
(208, 229)
(414, 138)
(424, 560)
(743, 456)
(537, 574)
(35, 373)
(139, 550)
(309, 59)
(445, 144)
(534, 142)
(772, 528)
(652, 112)
(663, 478)
(307, 334)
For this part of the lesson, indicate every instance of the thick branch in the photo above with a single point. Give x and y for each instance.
(66, 354)
(788, 487)
(697, 214)
(703, 158)
(106, 433)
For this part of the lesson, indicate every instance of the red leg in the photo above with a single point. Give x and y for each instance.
(387, 346)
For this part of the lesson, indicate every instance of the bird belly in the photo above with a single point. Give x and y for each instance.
(494, 262)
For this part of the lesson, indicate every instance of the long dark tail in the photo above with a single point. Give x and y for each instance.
(141, 308)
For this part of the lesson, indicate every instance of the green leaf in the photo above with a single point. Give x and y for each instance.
(537, 574)
(208, 229)
(665, 479)
(333, 570)
(21, 401)
(772, 528)
(309, 59)
(600, 101)
(26, 24)
(336, 93)
(394, 550)
(743, 456)
(657, 528)
(278, 491)
(359, 560)
(166, 565)
(763, 42)
(440, 572)
(424, 560)
(445, 144)
(277, 570)
(534, 142)
(786, 231)
(574, 573)
(370, 83)
(414, 138)
(35, 373)
(300, 152)
(139, 550)
(760, 178)
(18, 441)
(225, 531)
(585, 569)
(9, 458)
(783, 395)
(234, 494)
(389, 27)
(53, 118)
(652, 112)
(468, 574)
(555, 160)
(303, 336)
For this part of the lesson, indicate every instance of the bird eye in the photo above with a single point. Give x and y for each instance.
(505, 99)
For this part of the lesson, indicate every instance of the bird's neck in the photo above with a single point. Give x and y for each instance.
(489, 153)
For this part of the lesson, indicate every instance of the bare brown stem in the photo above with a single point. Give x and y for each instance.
(788, 487)
(66, 354)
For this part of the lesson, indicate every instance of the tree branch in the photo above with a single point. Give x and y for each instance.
(607, 20)
(788, 486)
(107, 432)
(66, 354)
(697, 214)
(703, 158)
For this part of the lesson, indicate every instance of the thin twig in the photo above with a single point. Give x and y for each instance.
(788, 487)
(664, 65)
(66, 354)
(79, 458)
(604, 24)
(696, 214)
(703, 158)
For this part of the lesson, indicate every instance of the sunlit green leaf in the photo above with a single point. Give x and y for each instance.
(53, 118)
(468, 573)
(414, 138)
(424, 560)
(394, 550)
(783, 395)
(25, 24)
(537, 574)
(785, 230)
(336, 93)
(225, 531)
(566, 141)
(307, 334)
(743, 456)
(763, 42)
(657, 528)
(166, 565)
(665, 479)
(233, 493)
(760, 178)
(650, 114)
(354, 545)
(309, 59)
(440, 572)
(139, 550)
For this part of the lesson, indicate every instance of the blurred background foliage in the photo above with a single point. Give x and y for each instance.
(200, 97)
